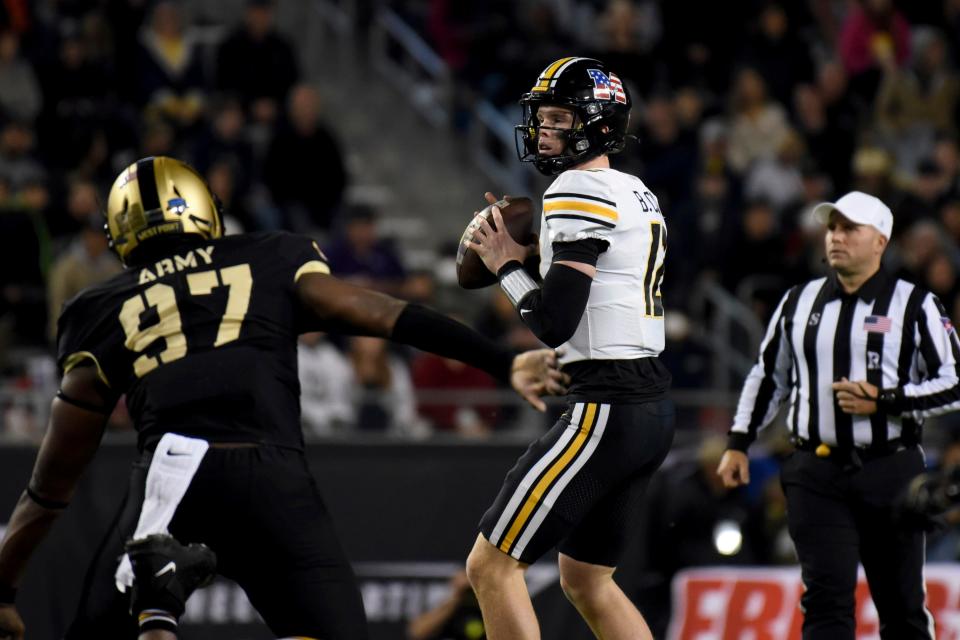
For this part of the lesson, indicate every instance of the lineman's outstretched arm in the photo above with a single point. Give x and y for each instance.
(346, 308)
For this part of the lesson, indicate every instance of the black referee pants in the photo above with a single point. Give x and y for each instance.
(838, 516)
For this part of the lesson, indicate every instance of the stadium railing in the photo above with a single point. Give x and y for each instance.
(492, 146)
(403, 59)
(339, 18)
(729, 329)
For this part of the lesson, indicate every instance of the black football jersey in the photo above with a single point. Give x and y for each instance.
(203, 342)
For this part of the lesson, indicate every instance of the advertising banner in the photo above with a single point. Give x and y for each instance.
(762, 604)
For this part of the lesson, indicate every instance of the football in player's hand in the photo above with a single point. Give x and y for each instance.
(518, 216)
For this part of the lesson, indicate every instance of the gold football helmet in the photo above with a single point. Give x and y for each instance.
(159, 196)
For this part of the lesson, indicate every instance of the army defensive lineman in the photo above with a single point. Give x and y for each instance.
(200, 333)
(602, 245)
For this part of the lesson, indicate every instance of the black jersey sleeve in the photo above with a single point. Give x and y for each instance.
(303, 255)
(89, 332)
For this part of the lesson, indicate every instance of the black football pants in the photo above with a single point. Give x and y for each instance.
(259, 509)
(838, 517)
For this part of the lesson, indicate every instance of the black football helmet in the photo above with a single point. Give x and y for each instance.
(599, 101)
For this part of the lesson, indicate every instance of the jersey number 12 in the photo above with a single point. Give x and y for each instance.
(653, 273)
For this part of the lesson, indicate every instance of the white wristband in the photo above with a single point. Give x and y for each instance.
(517, 283)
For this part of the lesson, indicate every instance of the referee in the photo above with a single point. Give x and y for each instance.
(864, 358)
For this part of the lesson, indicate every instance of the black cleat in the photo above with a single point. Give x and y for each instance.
(167, 572)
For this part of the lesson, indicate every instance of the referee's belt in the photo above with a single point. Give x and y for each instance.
(854, 456)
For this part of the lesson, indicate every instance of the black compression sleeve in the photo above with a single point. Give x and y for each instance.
(553, 311)
(428, 330)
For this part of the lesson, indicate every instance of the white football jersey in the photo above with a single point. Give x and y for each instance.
(624, 315)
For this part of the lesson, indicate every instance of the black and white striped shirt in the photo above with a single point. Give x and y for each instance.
(890, 333)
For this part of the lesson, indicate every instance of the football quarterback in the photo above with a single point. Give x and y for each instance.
(603, 241)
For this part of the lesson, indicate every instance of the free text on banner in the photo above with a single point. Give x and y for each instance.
(762, 604)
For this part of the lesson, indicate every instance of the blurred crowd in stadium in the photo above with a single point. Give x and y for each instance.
(747, 114)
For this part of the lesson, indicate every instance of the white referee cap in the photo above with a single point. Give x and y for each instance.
(860, 208)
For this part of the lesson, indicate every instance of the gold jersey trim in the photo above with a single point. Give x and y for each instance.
(585, 207)
(314, 266)
(75, 359)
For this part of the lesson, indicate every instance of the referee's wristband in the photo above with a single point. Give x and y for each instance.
(515, 282)
(8, 594)
(891, 401)
(738, 441)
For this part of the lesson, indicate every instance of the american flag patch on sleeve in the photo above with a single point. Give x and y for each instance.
(947, 324)
(877, 324)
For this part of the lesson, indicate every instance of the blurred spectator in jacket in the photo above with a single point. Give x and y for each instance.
(86, 261)
(223, 181)
(170, 69)
(925, 194)
(873, 173)
(696, 46)
(24, 260)
(257, 63)
(702, 229)
(940, 277)
(758, 125)
(358, 253)
(874, 36)
(626, 39)
(669, 153)
(83, 203)
(756, 259)
(79, 92)
(919, 245)
(18, 164)
(829, 142)
(225, 140)
(303, 155)
(915, 103)
(777, 53)
(844, 108)
(326, 386)
(946, 153)
(777, 179)
(383, 390)
(20, 97)
(950, 220)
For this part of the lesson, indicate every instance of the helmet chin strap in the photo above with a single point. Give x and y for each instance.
(564, 135)
(579, 146)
